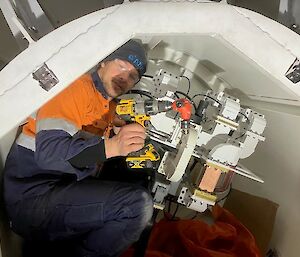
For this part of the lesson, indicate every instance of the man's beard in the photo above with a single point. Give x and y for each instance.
(119, 86)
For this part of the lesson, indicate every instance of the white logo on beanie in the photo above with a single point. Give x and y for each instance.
(135, 61)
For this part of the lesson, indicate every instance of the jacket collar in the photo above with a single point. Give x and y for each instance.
(99, 85)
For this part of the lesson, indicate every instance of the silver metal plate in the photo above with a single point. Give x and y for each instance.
(45, 77)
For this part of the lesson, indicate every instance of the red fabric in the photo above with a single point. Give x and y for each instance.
(227, 237)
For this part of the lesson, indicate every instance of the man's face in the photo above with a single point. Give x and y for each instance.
(118, 77)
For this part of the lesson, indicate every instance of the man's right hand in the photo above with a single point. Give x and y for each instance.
(130, 138)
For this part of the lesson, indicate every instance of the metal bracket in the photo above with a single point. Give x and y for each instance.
(45, 77)
(161, 190)
(293, 73)
(186, 198)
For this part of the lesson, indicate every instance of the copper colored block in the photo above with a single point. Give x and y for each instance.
(210, 179)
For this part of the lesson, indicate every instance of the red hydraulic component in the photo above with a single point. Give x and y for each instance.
(183, 107)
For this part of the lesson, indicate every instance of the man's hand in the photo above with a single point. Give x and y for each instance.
(130, 138)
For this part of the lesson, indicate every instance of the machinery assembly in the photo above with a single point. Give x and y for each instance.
(217, 133)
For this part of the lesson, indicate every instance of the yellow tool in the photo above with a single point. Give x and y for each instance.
(143, 158)
(126, 110)
(140, 112)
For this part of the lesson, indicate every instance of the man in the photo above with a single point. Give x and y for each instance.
(49, 190)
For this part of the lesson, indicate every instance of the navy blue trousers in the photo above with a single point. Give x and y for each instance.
(106, 216)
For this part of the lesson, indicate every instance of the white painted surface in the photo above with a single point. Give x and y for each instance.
(277, 161)
(65, 48)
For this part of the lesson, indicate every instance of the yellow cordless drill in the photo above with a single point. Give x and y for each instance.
(140, 112)
(130, 111)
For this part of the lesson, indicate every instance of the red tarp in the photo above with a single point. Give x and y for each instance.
(227, 237)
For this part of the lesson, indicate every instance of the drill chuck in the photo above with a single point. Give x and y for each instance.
(152, 107)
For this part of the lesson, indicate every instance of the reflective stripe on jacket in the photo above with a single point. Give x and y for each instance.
(67, 133)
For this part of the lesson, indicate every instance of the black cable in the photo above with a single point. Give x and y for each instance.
(244, 116)
(240, 136)
(167, 213)
(189, 87)
(187, 96)
(141, 244)
(140, 92)
(174, 214)
(195, 216)
(207, 97)
(189, 171)
(147, 76)
(174, 118)
(169, 206)
(194, 164)
(184, 94)
(245, 132)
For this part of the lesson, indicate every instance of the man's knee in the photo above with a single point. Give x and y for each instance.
(130, 213)
(146, 207)
(141, 211)
(139, 204)
(128, 201)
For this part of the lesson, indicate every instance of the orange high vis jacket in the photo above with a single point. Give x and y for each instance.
(66, 134)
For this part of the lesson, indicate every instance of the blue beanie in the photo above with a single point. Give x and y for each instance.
(132, 52)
